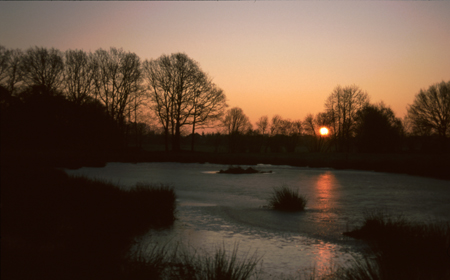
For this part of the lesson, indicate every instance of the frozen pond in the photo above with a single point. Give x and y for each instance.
(215, 209)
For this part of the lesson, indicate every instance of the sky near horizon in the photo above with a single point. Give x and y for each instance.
(270, 58)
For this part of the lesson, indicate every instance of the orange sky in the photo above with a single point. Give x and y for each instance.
(269, 57)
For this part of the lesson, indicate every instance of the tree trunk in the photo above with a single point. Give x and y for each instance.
(193, 136)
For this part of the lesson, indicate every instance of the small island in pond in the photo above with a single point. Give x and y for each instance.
(240, 170)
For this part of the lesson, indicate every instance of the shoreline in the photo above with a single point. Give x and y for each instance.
(424, 165)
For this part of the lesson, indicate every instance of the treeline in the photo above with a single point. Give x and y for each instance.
(62, 100)
(110, 99)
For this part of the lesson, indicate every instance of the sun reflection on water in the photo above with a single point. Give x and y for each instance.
(324, 186)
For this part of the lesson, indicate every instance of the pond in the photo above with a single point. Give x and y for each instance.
(228, 209)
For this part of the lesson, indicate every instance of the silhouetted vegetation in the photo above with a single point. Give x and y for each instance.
(240, 170)
(180, 262)
(60, 227)
(42, 119)
(401, 249)
(96, 107)
(430, 112)
(181, 94)
(378, 130)
(287, 199)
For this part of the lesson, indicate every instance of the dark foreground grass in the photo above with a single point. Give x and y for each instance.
(181, 262)
(401, 249)
(60, 227)
(287, 199)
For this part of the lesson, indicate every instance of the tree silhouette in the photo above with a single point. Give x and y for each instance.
(235, 124)
(430, 111)
(42, 67)
(342, 105)
(208, 103)
(79, 73)
(181, 94)
(312, 125)
(10, 69)
(377, 129)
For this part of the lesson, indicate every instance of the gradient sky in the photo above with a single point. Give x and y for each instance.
(269, 57)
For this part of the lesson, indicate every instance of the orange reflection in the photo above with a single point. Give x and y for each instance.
(324, 186)
(324, 259)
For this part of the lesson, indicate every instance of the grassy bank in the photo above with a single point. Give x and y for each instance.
(60, 227)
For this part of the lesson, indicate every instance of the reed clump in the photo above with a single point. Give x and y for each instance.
(287, 199)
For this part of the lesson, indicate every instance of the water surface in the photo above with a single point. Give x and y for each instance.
(215, 209)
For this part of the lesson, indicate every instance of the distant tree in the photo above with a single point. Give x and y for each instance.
(342, 106)
(42, 67)
(377, 129)
(262, 125)
(235, 121)
(181, 94)
(430, 111)
(117, 78)
(236, 124)
(312, 125)
(10, 74)
(4, 64)
(78, 75)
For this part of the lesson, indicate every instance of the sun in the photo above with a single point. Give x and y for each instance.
(324, 131)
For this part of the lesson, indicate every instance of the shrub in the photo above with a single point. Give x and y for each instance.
(401, 249)
(287, 199)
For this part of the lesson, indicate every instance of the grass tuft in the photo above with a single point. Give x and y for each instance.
(287, 199)
(160, 262)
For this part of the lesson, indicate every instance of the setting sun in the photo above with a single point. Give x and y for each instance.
(323, 131)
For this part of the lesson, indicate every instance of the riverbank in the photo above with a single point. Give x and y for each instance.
(426, 165)
(55, 226)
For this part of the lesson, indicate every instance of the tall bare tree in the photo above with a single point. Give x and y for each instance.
(79, 73)
(342, 105)
(181, 94)
(117, 77)
(208, 103)
(430, 110)
(43, 67)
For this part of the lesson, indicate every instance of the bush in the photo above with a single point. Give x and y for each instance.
(287, 199)
(401, 249)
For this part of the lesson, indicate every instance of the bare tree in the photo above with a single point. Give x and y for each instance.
(430, 111)
(181, 94)
(236, 124)
(342, 105)
(208, 103)
(235, 121)
(117, 78)
(78, 75)
(262, 125)
(42, 67)
(158, 75)
(10, 74)
(312, 125)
